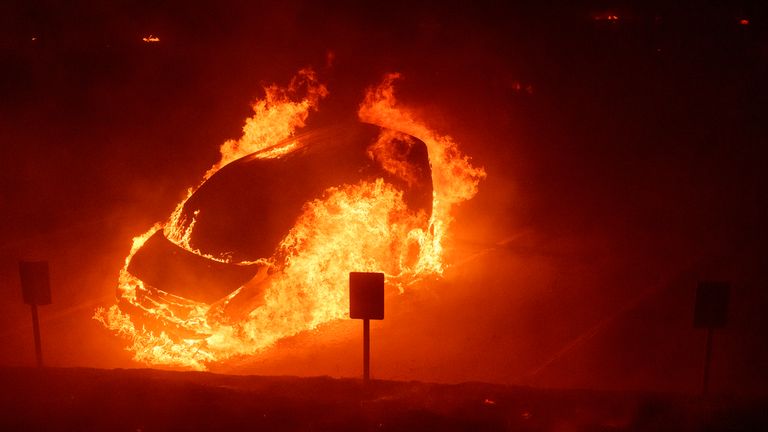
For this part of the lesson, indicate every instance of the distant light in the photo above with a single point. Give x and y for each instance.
(151, 39)
(744, 21)
(606, 17)
(519, 87)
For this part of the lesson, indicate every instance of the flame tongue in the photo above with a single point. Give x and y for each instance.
(309, 213)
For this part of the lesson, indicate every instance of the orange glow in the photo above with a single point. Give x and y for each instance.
(353, 227)
(151, 39)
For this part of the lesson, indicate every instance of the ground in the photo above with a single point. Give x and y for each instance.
(149, 400)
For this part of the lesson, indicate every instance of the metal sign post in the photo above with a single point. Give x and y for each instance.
(36, 290)
(366, 302)
(711, 312)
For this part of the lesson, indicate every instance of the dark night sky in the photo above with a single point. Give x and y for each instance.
(632, 169)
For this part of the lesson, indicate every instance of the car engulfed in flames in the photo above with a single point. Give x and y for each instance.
(261, 249)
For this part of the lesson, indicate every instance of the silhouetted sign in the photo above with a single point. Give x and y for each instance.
(366, 295)
(711, 305)
(35, 287)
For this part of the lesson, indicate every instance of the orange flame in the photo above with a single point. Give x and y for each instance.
(453, 176)
(275, 118)
(362, 227)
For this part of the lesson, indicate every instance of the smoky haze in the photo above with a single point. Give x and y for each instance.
(624, 160)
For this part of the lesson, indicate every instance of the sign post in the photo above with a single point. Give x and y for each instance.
(36, 290)
(711, 313)
(366, 302)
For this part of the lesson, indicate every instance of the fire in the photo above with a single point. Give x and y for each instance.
(151, 39)
(275, 118)
(362, 226)
(454, 178)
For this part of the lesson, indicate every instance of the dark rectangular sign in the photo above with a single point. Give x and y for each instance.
(366, 295)
(35, 287)
(711, 305)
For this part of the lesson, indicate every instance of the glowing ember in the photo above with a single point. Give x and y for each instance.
(151, 39)
(376, 223)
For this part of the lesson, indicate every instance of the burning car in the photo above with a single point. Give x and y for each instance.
(242, 213)
(261, 249)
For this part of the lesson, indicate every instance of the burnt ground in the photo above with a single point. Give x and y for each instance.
(150, 400)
